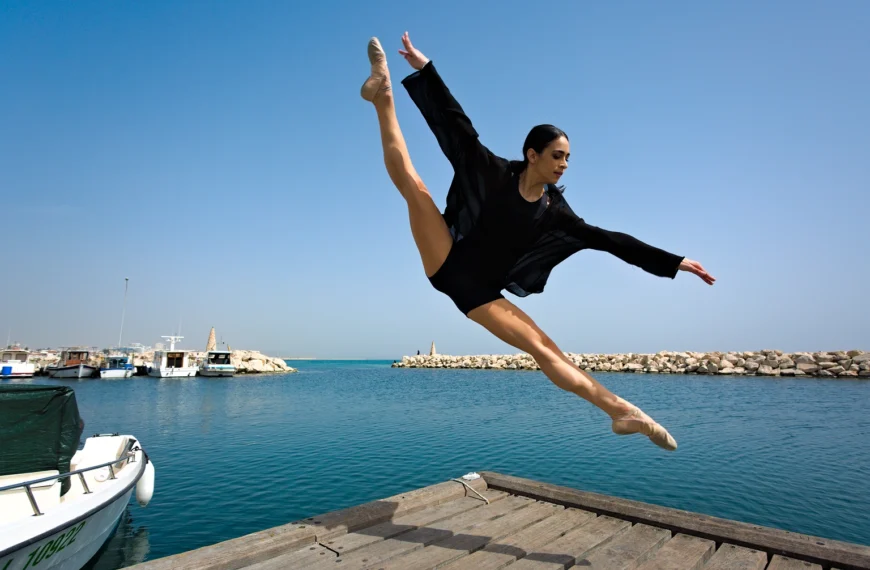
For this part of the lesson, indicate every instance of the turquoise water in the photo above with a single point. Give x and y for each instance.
(234, 456)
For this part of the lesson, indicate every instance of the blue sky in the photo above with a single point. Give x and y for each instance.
(218, 155)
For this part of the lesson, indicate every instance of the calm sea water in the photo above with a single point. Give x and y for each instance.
(234, 456)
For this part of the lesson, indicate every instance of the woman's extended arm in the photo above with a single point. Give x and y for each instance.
(631, 250)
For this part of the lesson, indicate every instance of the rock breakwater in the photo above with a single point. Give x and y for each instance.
(254, 362)
(834, 364)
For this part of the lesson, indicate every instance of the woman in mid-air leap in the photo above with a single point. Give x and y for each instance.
(505, 226)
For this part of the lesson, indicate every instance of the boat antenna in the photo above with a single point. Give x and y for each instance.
(124, 310)
(172, 340)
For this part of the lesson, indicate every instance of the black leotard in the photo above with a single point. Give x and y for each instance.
(500, 239)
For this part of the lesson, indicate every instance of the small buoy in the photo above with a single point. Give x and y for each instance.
(145, 486)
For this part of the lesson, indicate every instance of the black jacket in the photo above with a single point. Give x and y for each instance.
(481, 182)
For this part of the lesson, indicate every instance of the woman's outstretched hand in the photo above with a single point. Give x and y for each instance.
(697, 269)
(411, 54)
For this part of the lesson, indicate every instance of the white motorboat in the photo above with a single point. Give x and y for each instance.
(59, 505)
(217, 363)
(14, 363)
(73, 364)
(172, 363)
(117, 366)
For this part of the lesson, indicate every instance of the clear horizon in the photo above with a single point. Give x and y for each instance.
(219, 155)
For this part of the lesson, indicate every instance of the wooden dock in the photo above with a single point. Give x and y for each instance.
(500, 521)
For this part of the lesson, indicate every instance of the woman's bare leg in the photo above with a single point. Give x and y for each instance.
(430, 232)
(510, 324)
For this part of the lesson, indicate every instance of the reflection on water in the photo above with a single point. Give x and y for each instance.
(128, 546)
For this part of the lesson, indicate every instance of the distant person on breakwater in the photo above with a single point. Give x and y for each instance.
(506, 225)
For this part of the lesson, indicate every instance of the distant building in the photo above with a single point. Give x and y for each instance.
(134, 348)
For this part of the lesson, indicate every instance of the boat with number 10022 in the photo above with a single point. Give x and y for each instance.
(60, 504)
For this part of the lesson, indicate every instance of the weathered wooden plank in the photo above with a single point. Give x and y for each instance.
(347, 543)
(565, 551)
(629, 549)
(775, 541)
(340, 522)
(263, 545)
(406, 542)
(454, 507)
(784, 563)
(469, 540)
(300, 559)
(731, 557)
(238, 552)
(682, 552)
(500, 553)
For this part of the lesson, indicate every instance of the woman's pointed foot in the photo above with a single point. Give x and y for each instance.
(636, 421)
(379, 80)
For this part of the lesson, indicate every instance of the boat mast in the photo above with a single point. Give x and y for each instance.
(124, 310)
(172, 340)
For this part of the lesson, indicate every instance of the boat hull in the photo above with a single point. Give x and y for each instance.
(16, 369)
(185, 372)
(77, 371)
(67, 536)
(114, 373)
(216, 372)
(71, 547)
(17, 374)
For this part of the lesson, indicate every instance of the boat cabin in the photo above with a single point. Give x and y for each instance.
(117, 363)
(74, 357)
(172, 358)
(14, 355)
(219, 357)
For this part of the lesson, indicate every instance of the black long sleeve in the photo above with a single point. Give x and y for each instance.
(627, 248)
(477, 170)
(451, 126)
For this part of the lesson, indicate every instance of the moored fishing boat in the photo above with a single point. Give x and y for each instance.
(172, 363)
(217, 363)
(60, 504)
(117, 366)
(14, 363)
(73, 364)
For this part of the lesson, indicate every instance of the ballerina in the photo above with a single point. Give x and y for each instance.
(505, 226)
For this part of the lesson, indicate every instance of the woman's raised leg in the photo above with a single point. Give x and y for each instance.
(510, 324)
(430, 232)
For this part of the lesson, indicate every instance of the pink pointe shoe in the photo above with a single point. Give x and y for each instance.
(636, 421)
(379, 80)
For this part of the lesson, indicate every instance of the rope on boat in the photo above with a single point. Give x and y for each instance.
(472, 489)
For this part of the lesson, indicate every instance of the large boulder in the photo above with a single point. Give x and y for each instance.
(255, 362)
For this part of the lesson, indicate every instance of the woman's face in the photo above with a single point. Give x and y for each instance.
(552, 162)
